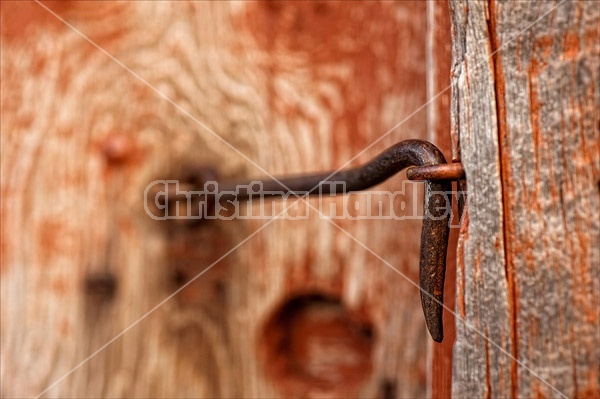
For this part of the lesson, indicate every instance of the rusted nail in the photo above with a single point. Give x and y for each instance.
(430, 166)
(448, 171)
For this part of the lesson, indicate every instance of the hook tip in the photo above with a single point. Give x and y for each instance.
(437, 335)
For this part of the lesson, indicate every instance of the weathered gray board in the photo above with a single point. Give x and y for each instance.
(525, 107)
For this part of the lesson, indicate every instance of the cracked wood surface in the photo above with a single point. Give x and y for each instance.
(528, 270)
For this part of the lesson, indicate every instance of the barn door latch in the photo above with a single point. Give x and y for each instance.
(425, 162)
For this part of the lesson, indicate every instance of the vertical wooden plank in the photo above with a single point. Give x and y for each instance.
(529, 139)
(483, 331)
(438, 81)
(547, 87)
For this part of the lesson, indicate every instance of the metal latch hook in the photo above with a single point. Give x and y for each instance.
(428, 164)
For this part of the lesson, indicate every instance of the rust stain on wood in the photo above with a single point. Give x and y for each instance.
(52, 237)
(65, 328)
(488, 383)
(317, 35)
(60, 286)
(460, 266)
(505, 165)
(535, 114)
(5, 243)
(19, 17)
(571, 46)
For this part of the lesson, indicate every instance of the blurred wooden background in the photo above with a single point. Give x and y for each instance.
(300, 309)
(295, 87)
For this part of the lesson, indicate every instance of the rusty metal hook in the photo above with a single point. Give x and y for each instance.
(428, 164)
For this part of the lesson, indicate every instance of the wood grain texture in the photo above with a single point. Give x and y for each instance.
(548, 97)
(529, 256)
(480, 369)
(438, 84)
(296, 87)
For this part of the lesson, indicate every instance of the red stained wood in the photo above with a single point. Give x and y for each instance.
(316, 36)
(440, 133)
(529, 141)
(296, 87)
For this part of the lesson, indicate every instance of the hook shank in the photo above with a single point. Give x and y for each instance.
(435, 231)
